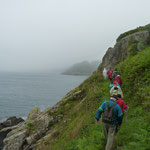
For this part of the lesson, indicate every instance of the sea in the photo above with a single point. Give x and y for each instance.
(21, 92)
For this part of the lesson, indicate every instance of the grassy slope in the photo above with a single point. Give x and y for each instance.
(78, 131)
(142, 28)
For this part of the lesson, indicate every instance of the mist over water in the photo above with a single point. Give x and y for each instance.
(21, 92)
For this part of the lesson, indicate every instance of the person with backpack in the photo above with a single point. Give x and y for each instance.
(115, 73)
(109, 73)
(117, 80)
(112, 118)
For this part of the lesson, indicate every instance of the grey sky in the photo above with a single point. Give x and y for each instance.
(48, 34)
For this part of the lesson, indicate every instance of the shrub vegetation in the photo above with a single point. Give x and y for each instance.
(78, 130)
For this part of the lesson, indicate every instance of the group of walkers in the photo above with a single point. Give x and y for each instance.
(114, 76)
(113, 109)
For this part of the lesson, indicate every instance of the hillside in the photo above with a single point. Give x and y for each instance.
(81, 132)
(70, 124)
(83, 68)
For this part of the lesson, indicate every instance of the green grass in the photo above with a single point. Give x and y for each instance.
(78, 130)
(141, 28)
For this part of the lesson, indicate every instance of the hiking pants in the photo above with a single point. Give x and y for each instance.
(109, 132)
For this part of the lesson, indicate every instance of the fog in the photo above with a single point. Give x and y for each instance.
(50, 35)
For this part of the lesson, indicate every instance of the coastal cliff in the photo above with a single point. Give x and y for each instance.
(128, 43)
(70, 124)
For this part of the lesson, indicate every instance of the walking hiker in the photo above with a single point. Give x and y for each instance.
(104, 73)
(109, 73)
(115, 90)
(115, 73)
(117, 80)
(112, 117)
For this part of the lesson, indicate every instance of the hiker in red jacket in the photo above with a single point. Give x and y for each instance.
(118, 80)
(109, 73)
(121, 103)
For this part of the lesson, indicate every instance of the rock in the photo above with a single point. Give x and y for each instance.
(121, 50)
(59, 117)
(78, 95)
(3, 135)
(15, 141)
(34, 114)
(32, 138)
(7, 126)
(43, 122)
(10, 122)
(83, 100)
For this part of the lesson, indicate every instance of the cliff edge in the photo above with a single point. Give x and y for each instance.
(128, 43)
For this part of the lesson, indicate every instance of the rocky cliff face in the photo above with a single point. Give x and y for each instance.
(7, 126)
(24, 137)
(124, 47)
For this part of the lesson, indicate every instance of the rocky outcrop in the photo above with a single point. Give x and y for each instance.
(122, 48)
(37, 125)
(15, 140)
(11, 121)
(7, 126)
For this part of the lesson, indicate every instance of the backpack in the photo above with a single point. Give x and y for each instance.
(108, 114)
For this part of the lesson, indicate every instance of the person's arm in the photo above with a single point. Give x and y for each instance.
(120, 115)
(100, 111)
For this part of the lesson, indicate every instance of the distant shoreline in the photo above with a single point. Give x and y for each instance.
(75, 74)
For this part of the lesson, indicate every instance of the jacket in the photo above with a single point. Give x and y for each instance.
(117, 112)
(115, 73)
(109, 73)
(118, 80)
(122, 105)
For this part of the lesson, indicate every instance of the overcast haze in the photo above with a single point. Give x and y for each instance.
(53, 34)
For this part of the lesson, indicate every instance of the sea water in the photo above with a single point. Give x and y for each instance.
(21, 92)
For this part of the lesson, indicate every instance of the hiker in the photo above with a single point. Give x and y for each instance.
(115, 90)
(109, 73)
(115, 73)
(122, 104)
(112, 118)
(104, 73)
(117, 80)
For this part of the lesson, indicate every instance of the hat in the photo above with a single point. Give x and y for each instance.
(111, 85)
(114, 92)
